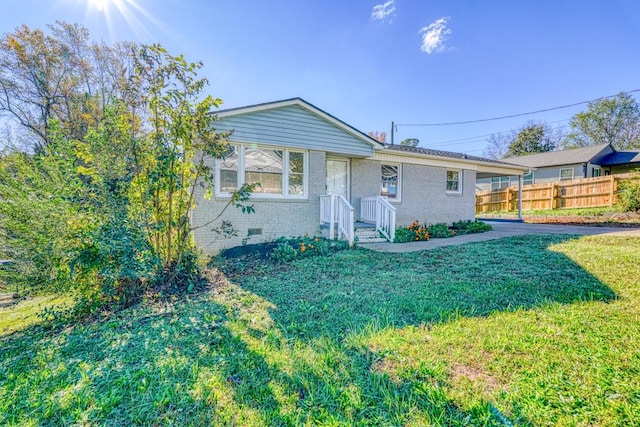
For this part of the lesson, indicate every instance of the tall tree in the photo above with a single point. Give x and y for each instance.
(110, 204)
(59, 76)
(532, 138)
(498, 144)
(608, 120)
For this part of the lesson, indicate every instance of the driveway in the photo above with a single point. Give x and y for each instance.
(501, 229)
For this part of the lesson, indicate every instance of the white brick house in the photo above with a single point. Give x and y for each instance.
(312, 167)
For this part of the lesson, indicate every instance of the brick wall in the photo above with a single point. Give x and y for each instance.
(425, 197)
(276, 217)
(423, 192)
(365, 181)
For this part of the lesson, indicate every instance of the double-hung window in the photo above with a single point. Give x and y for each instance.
(454, 181)
(566, 174)
(278, 172)
(227, 180)
(390, 181)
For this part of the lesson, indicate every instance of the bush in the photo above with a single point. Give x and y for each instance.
(305, 246)
(284, 252)
(417, 231)
(404, 235)
(469, 227)
(440, 231)
(629, 196)
(412, 233)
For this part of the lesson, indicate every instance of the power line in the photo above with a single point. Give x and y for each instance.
(512, 115)
(481, 138)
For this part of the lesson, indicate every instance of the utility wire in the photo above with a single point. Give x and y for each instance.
(480, 138)
(512, 115)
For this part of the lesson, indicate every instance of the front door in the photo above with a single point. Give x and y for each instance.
(338, 177)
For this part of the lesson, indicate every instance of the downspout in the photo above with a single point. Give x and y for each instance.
(585, 169)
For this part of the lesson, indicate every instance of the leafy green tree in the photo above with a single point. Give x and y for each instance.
(410, 142)
(532, 138)
(106, 211)
(41, 223)
(607, 121)
(182, 134)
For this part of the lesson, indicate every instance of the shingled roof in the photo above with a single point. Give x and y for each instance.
(559, 158)
(621, 158)
(439, 153)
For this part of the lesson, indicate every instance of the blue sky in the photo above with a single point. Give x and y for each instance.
(371, 62)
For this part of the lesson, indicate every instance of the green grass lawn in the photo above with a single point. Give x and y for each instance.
(534, 330)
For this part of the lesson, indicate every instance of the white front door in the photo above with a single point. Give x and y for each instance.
(338, 177)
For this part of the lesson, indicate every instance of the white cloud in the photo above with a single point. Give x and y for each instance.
(434, 35)
(381, 11)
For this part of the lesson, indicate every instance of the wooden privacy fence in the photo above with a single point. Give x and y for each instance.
(578, 193)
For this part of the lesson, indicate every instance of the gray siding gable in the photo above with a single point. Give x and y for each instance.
(293, 126)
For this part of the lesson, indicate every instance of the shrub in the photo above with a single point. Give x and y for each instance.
(469, 226)
(412, 233)
(284, 252)
(404, 235)
(306, 246)
(629, 196)
(440, 230)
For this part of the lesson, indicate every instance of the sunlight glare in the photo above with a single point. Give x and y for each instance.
(100, 5)
(117, 14)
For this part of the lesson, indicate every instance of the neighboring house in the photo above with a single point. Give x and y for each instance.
(313, 167)
(565, 165)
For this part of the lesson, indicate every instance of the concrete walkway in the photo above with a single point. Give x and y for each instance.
(501, 229)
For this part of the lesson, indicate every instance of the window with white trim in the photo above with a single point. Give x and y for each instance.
(280, 172)
(566, 174)
(454, 181)
(499, 182)
(228, 172)
(390, 181)
(595, 172)
(527, 178)
(265, 167)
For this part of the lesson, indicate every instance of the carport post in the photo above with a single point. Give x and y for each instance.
(520, 178)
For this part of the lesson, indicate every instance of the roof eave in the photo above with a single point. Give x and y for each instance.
(456, 159)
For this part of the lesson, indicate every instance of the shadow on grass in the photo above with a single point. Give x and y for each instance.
(186, 366)
(268, 348)
(143, 366)
(334, 295)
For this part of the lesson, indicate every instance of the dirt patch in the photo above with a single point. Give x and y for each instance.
(386, 366)
(475, 375)
(613, 219)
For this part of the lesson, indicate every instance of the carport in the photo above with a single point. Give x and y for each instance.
(496, 168)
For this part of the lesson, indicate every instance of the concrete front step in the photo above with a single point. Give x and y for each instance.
(367, 235)
(372, 240)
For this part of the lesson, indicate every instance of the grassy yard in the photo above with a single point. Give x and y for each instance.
(602, 216)
(525, 331)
